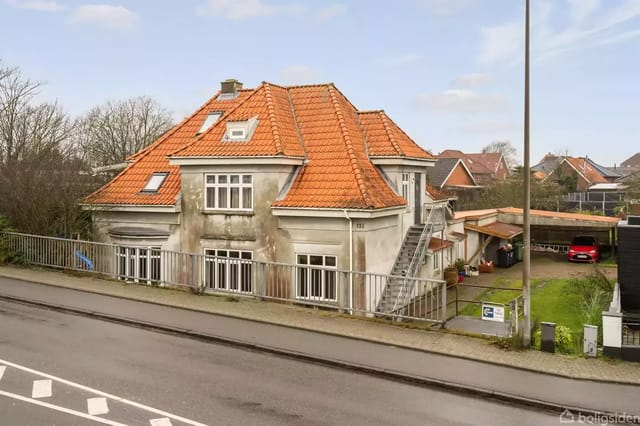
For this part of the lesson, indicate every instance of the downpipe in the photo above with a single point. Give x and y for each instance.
(346, 215)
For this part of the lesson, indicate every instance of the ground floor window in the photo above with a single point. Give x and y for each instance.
(317, 277)
(140, 264)
(229, 270)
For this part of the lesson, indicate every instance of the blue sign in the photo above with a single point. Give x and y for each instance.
(493, 312)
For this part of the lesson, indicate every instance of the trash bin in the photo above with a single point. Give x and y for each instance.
(519, 251)
(506, 257)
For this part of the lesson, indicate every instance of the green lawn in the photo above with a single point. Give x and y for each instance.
(551, 301)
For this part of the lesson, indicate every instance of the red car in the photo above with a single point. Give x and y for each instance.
(584, 248)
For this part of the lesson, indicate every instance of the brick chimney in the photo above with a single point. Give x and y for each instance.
(230, 86)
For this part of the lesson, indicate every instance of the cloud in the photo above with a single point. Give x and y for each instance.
(587, 26)
(445, 7)
(299, 74)
(472, 80)
(330, 12)
(494, 127)
(236, 9)
(110, 17)
(39, 5)
(459, 101)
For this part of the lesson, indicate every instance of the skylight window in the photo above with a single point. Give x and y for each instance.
(209, 121)
(155, 182)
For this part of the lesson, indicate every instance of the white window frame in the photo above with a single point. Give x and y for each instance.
(316, 282)
(215, 188)
(241, 136)
(139, 264)
(226, 272)
(405, 186)
(155, 182)
(437, 261)
(211, 119)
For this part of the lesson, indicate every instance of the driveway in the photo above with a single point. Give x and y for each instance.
(544, 265)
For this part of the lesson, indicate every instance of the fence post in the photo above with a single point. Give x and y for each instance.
(443, 310)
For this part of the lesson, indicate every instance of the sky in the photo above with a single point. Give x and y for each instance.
(449, 72)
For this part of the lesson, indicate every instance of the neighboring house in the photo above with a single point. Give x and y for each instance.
(631, 164)
(295, 175)
(585, 171)
(485, 167)
(451, 173)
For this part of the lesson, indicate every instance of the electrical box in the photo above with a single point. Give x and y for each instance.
(590, 340)
(548, 337)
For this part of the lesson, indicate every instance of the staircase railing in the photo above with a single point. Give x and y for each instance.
(408, 287)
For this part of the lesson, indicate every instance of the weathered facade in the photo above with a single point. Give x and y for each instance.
(295, 175)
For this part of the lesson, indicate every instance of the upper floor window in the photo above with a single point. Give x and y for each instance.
(240, 131)
(405, 186)
(228, 192)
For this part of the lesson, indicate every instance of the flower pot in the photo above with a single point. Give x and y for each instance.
(451, 275)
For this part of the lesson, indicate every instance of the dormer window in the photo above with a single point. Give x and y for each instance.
(237, 134)
(155, 182)
(211, 119)
(240, 130)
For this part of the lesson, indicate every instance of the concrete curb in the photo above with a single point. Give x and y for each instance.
(329, 333)
(362, 368)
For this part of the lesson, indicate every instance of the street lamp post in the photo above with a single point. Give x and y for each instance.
(526, 267)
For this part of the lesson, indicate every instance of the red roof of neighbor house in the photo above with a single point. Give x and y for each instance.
(314, 122)
(475, 166)
(490, 160)
(585, 168)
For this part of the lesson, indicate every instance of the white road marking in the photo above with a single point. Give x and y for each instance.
(41, 389)
(97, 406)
(105, 394)
(2, 368)
(61, 409)
(160, 422)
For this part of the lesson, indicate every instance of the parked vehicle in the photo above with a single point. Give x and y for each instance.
(584, 248)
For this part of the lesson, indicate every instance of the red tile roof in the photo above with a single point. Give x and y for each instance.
(585, 168)
(314, 122)
(476, 167)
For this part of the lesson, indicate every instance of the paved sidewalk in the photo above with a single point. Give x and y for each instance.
(440, 342)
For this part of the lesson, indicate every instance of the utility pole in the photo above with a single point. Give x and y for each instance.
(526, 267)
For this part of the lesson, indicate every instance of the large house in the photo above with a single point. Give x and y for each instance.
(296, 175)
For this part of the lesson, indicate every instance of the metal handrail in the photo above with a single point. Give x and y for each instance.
(407, 290)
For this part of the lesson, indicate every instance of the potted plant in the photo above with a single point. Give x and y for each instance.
(451, 275)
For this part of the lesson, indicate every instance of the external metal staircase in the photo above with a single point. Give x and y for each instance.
(400, 289)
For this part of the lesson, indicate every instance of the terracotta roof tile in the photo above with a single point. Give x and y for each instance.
(586, 169)
(315, 122)
(385, 138)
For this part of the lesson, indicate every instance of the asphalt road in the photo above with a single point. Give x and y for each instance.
(203, 382)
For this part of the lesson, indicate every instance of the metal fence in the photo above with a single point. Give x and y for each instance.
(235, 273)
(630, 333)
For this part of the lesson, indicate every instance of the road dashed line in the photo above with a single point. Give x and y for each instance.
(41, 389)
(160, 422)
(97, 406)
(61, 409)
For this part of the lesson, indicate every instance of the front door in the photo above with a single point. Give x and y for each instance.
(417, 208)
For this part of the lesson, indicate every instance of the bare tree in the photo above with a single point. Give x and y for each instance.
(506, 149)
(110, 133)
(41, 181)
